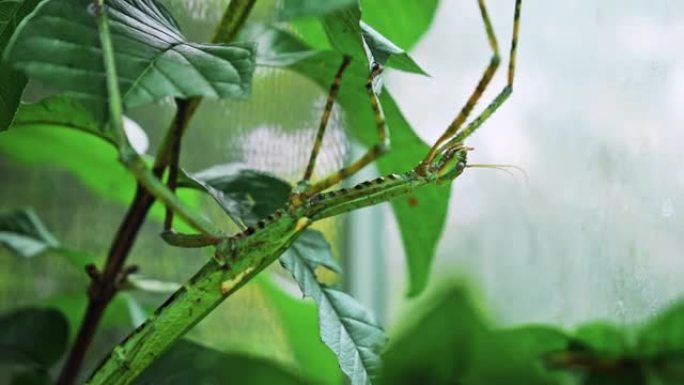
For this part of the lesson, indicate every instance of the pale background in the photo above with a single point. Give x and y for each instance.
(595, 121)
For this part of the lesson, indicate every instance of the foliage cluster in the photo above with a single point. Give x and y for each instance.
(67, 45)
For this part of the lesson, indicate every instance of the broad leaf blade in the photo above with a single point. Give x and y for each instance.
(23, 233)
(12, 83)
(190, 363)
(292, 9)
(49, 137)
(59, 45)
(404, 22)
(242, 193)
(344, 31)
(346, 327)
(33, 337)
(59, 111)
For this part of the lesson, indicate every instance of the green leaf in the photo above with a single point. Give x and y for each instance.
(12, 83)
(292, 9)
(59, 44)
(23, 233)
(33, 337)
(299, 320)
(403, 22)
(47, 135)
(344, 31)
(242, 193)
(602, 338)
(190, 363)
(515, 356)
(438, 345)
(32, 377)
(664, 334)
(345, 326)
(387, 53)
(59, 111)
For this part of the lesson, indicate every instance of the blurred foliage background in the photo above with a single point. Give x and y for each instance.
(591, 231)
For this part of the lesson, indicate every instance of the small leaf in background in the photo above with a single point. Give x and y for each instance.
(33, 337)
(242, 193)
(12, 83)
(345, 325)
(601, 338)
(59, 44)
(23, 233)
(438, 344)
(515, 357)
(451, 343)
(663, 334)
(190, 363)
(292, 9)
(387, 53)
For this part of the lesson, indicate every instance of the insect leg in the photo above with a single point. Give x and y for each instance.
(373, 153)
(330, 103)
(507, 90)
(476, 94)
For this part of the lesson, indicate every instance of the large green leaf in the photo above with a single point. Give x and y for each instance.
(404, 22)
(59, 44)
(242, 193)
(190, 363)
(33, 337)
(23, 233)
(292, 9)
(345, 326)
(343, 29)
(12, 83)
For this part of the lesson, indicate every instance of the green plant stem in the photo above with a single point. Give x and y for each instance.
(233, 20)
(102, 291)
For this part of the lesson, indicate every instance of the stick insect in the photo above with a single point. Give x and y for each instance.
(238, 258)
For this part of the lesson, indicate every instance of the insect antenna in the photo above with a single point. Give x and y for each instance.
(503, 167)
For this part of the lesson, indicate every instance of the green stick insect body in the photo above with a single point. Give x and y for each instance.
(240, 257)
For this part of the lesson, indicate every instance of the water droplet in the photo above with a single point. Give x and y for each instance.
(667, 209)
